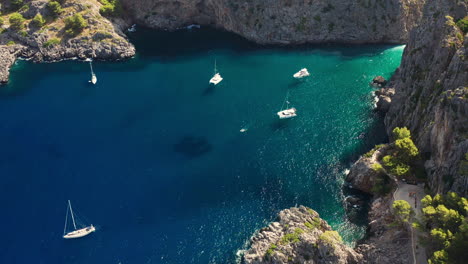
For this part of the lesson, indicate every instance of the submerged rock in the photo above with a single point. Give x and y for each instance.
(299, 236)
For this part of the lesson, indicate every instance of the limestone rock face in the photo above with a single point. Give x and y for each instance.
(431, 94)
(361, 175)
(287, 21)
(385, 244)
(299, 236)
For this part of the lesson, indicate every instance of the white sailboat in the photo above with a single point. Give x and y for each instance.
(217, 77)
(93, 76)
(288, 112)
(301, 74)
(77, 232)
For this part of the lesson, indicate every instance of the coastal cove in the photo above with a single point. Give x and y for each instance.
(154, 157)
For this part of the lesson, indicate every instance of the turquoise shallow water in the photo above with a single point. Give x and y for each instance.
(153, 156)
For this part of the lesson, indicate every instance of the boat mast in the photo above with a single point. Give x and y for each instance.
(66, 219)
(91, 66)
(216, 71)
(71, 211)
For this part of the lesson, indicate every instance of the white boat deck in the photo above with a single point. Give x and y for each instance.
(80, 232)
(301, 74)
(288, 113)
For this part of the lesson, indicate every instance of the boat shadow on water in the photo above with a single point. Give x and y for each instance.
(192, 146)
(209, 90)
(280, 124)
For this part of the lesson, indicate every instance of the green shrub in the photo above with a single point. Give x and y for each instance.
(402, 210)
(407, 151)
(10, 43)
(439, 257)
(330, 237)
(55, 8)
(446, 217)
(16, 21)
(38, 21)
(110, 8)
(1, 21)
(401, 133)
(271, 250)
(292, 237)
(51, 42)
(315, 223)
(372, 151)
(377, 168)
(75, 24)
(463, 24)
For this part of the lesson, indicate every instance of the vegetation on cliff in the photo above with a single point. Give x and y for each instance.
(446, 225)
(402, 210)
(403, 154)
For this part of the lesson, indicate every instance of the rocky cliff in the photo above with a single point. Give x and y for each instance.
(287, 21)
(101, 39)
(299, 236)
(431, 94)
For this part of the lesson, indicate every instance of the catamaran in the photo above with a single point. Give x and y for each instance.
(93, 76)
(76, 233)
(288, 112)
(217, 77)
(301, 74)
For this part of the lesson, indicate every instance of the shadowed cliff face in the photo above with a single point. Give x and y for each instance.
(431, 94)
(287, 21)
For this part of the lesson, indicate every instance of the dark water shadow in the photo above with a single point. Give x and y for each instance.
(357, 205)
(280, 124)
(193, 146)
(180, 44)
(209, 90)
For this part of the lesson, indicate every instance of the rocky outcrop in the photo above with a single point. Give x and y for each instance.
(379, 81)
(362, 175)
(386, 243)
(287, 21)
(299, 236)
(101, 39)
(431, 94)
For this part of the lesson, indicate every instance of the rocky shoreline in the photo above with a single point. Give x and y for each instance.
(428, 93)
(101, 40)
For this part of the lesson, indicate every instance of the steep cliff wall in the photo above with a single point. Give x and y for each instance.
(287, 21)
(431, 94)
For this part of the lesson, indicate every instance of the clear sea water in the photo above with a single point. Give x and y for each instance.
(154, 157)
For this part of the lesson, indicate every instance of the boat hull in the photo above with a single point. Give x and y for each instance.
(288, 113)
(80, 232)
(216, 79)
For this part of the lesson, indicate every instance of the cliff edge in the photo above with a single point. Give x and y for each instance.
(299, 236)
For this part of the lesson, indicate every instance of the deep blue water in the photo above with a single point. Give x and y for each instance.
(152, 155)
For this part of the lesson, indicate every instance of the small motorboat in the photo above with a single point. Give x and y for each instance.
(301, 74)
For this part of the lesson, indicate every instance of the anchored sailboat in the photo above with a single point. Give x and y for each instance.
(76, 233)
(93, 76)
(217, 77)
(288, 112)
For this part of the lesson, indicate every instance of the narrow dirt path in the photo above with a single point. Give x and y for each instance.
(403, 192)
